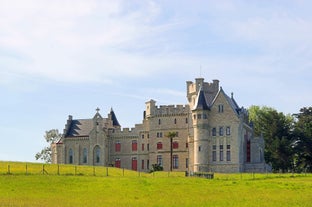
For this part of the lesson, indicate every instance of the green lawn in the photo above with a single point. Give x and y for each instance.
(132, 189)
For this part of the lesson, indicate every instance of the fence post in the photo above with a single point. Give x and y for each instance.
(9, 169)
(93, 171)
(58, 169)
(107, 171)
(26, 169)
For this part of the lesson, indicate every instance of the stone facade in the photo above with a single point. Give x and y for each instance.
(213, 134)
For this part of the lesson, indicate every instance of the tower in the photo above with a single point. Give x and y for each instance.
(200, 113)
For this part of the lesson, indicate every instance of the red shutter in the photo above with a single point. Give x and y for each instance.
(134, 164)
(117, 163)
(159, 145)
(175, 145)
(134, 145)
(117, 147)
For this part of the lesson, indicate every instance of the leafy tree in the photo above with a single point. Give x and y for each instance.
(276, 129)
(303, 140)
(51, 136)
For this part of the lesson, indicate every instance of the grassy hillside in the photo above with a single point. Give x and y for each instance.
(37, 189)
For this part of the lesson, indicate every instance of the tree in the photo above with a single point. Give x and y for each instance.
(51, 136)
(303, 140)
(276, 129)
(171, 135)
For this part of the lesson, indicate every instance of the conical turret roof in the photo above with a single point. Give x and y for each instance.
(114, 118)
(201, 103)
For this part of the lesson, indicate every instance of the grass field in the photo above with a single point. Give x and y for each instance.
(128, 188)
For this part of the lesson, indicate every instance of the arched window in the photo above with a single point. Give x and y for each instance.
(71, 156)
(85, 155)
(97, 154)
(175, 121)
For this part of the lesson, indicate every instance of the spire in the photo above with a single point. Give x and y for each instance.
(114, 118)
(201, 103)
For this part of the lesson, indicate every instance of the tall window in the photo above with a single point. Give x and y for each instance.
(142, 147)
(214, 153)
(159, 160)
(220, 108)
(71, 156)
(221, 131)
(175, 121)
(159, 145)
(134, 145)
(159, 134)
(228, 130)
(228, 152)
(147, 147)
(117, 146)
(221, 152)
(175, 161)
(142, 164)
(85, 155)
(248, 151)
(186, 120)
(247, 140)
(97, 154)
(214, 131)
(147, 164)
(159, 122)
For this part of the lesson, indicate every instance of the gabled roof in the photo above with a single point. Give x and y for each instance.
(79, 127)
(230, 100)
(201, 103)
(114, 118)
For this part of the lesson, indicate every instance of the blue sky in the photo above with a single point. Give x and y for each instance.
(70, 57)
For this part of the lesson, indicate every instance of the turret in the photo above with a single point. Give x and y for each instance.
(210, 90)
(200, 113)
(150, 108)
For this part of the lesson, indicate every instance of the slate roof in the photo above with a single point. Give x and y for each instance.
(201, 103)
(114, 118)
(232, 103)
(79, 127)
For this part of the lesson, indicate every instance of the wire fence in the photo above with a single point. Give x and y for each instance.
(16, 168)
(77, 170)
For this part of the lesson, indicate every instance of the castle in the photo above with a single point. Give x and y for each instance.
(211, 134)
